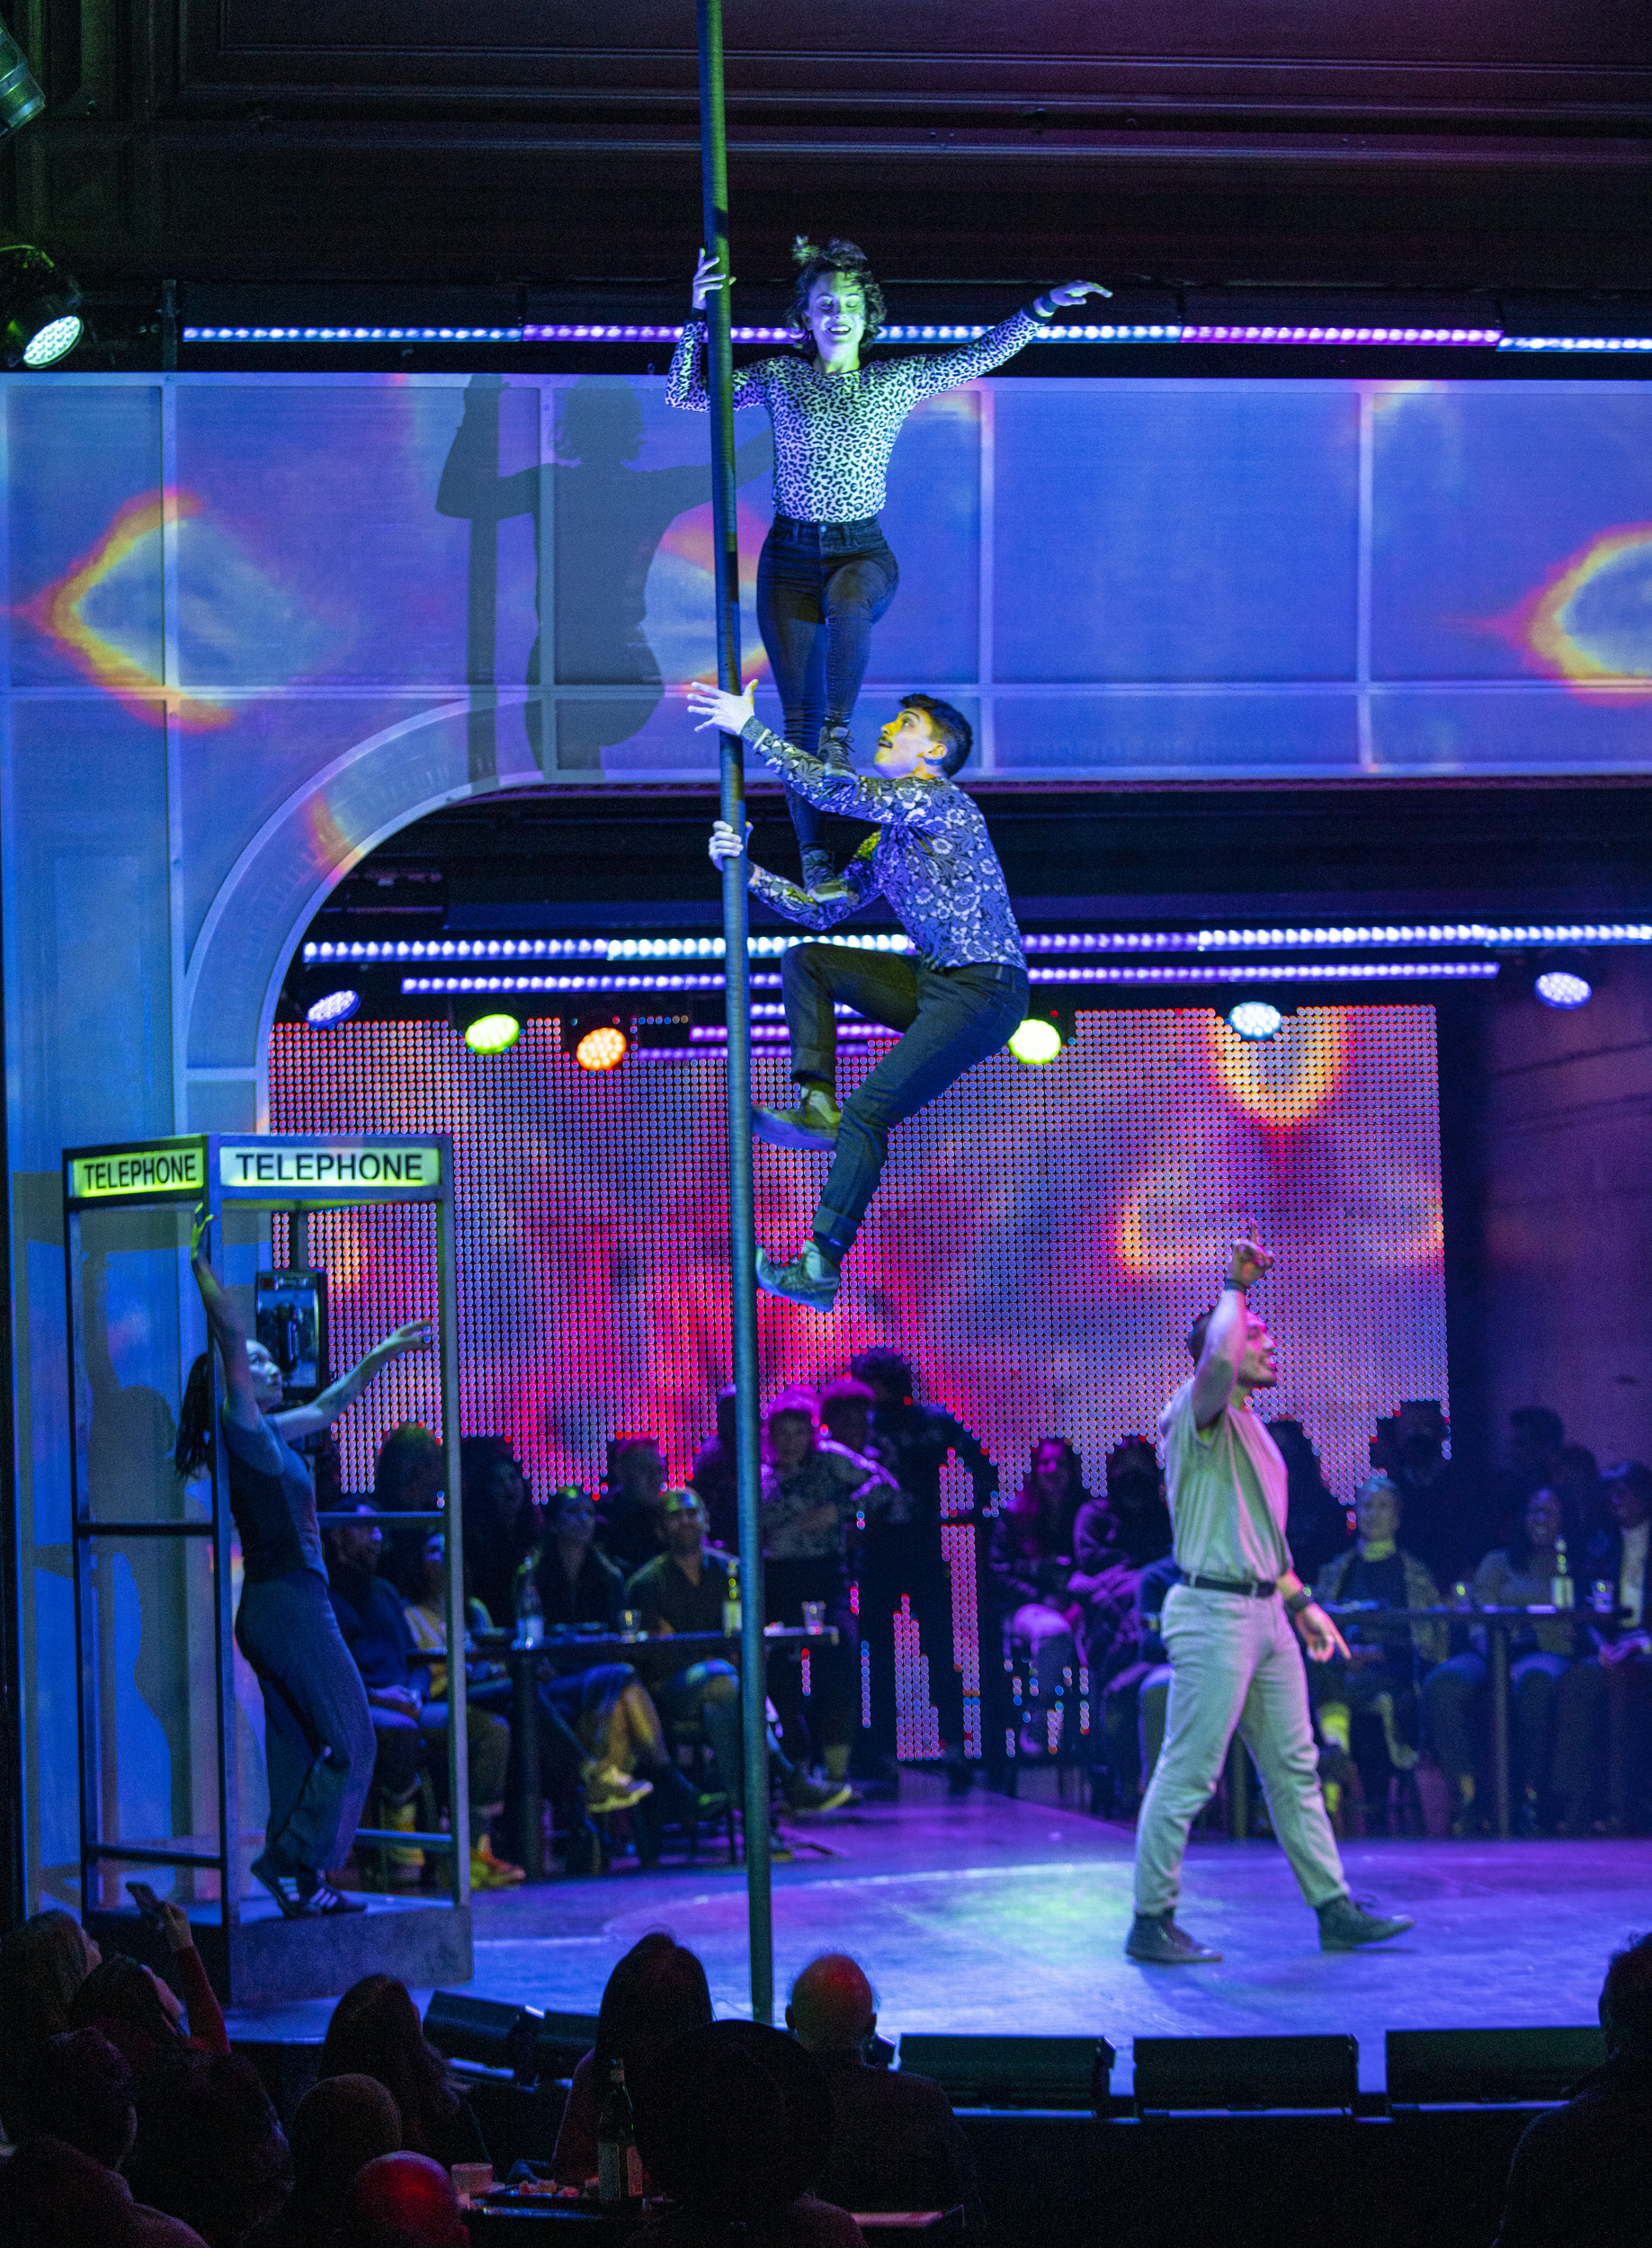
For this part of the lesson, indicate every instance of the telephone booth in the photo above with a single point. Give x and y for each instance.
(170, 1733)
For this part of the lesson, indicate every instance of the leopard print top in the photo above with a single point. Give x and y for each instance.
(931, 858)
(833, 434)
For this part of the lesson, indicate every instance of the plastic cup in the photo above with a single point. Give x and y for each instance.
(471, 2181)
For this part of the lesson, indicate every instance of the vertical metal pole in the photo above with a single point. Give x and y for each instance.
(742, 1231)
(453, 1543)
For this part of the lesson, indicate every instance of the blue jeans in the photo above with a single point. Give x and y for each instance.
(1454, 1692)
(318, 1736)
(709, 1692)
(951, 1018)
(821, 587)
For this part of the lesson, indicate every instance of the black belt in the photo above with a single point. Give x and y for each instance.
(1253, 1588)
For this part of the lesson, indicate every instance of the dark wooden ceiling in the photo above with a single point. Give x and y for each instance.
(1399, 143)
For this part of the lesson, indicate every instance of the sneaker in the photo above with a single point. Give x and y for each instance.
(837, 749)
(813, 1123)
(607, 1790)
(322, 1901)
(1344, 1926)
(807, 1280)
(488, 1872)
(281, 1882)
(1155, 1940)
(818, 1794)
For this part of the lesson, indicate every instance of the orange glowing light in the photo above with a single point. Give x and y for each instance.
(1590, 622)
(1290, 1079)
(57, 612)
(602, 1049)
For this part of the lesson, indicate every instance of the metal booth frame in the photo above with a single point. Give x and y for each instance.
(258, 1957)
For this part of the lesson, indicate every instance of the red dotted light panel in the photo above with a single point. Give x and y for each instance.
(1043, 1239)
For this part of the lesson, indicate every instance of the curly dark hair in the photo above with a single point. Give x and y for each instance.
(947, 726)
(813, 263)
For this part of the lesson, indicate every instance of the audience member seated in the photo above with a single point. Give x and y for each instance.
(80, 2089)
(1136, 1703)
(1135, 1502)
(1441, 1525)
(143, 2016)
(402, 2201)
(341, 2124)
(1378, 1683)
(409, 1478)
(375, 2032)
(1583, 2172)
(715, 1475)
(43, 1962)
(1606, 1726)
(1520, 1576)
(683, 1589)
(1028, 1569)
(734, 2123)
(895, 2143)
(53, 2195)
(411, 1732)
(687, 1587)
(1577, 1484)
(213, 2152)
(814, 1496)
(846, 1408)
(1537, 1437)
(1114, 1539)
(630, 1511)
(657, 1993)
(487, 1688)
(499, 1524)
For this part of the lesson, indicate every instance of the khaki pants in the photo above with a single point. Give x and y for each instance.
(1235, 1662)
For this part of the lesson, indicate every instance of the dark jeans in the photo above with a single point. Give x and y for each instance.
(318, 1739)
(821, 587)
(905, 1558)
(1453, 1694)
(710, 1692)
(953, 1018)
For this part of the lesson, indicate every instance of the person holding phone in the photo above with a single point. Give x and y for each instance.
(319, 1741)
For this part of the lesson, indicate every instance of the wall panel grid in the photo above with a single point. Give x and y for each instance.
(1042, 1243)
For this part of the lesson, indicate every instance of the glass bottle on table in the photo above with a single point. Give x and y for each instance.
(619, 2165)
(530, 1612)
(1562, 1587)
(731, 1606)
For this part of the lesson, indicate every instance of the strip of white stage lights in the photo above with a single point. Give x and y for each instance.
(1493, 936)
(1208, 973)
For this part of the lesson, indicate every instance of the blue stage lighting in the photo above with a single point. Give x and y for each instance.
(1255, 1019)
(1561, 987)
(332, 1007)
(40, 308)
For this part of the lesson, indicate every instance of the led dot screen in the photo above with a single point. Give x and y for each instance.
(1042, 1241)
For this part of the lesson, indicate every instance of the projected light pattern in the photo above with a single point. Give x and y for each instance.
(1590, 622)
(100, 624)
(1042, 1241)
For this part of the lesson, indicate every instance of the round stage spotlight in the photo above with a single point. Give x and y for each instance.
(605, 1047)
(1564, 987)
(332, 1007)
(40, 308)
(1035, 1042)
(20, 92)
(492, 1033)
(1255, 1019)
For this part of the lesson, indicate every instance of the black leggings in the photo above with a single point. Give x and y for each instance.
(821, 587)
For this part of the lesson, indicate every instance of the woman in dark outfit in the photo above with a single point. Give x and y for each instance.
(826, 574)
(318, 1730)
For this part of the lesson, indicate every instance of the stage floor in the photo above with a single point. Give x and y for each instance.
(1010, 1917)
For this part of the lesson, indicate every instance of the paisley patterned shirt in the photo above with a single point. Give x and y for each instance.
(831, 1476)
(931, 858)
(833, 434)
